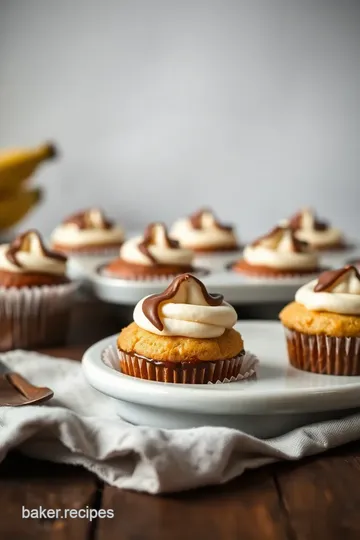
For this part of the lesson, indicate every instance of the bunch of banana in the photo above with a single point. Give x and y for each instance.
(16, 166)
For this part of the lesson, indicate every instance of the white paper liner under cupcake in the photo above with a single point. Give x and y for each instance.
(248, 369)
(35, 316)
(327, 355)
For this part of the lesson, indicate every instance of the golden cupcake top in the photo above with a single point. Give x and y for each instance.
(155, 247)
(87, 227)
(28, 253)
(203, 230)
(281, 249)
(186, 309)
(336, 291)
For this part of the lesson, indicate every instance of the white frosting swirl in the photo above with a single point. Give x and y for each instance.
(343, 297)
(308, 232)
(70, 234)
(159, 249)
(188, 314)
(32, 258)
(320, 238)
(277, 251)
(208, 236)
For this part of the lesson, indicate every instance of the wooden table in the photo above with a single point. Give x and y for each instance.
(315, 499)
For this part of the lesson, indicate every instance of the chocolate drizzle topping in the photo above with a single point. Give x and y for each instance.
(151, 304)
(296, 222)
(23, 243)
(330, 277)
(298, 246)
(82, 220)
(196, 220)
(150, 239)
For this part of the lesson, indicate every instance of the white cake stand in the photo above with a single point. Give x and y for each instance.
(281, 399)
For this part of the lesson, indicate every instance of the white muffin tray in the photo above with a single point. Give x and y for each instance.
(236, 288)
(281, 399)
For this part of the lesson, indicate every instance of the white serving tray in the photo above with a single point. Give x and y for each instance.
(236, 288)
(281, 399)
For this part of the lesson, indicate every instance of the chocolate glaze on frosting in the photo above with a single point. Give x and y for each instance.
(196, 220)
(83, 220)
(296, 223)
(150, 239)
(330, 277)
(298, 246)
(151, 304)
(23, 243)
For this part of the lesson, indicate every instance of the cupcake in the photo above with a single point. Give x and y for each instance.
(88, 232)
(183, 335)
(35, 294)
(151, 256)
(319, 234)
(322, 326)
(203, 233)
(278, 254)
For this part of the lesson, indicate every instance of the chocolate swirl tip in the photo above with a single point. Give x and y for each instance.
(297, 221)
(85, 220)
(24, 242)
(329, 278)
(151, 238)
(297, 246)
(197, 220)
(152, 303)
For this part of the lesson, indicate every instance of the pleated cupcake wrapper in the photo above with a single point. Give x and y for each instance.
(35, 316)
(239, 368)
(200, 272)
(327, 355)
(285, 276)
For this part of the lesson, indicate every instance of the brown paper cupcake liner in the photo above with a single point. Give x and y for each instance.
(280, 275)
(240, 368)
(327, 355)
(36, 316)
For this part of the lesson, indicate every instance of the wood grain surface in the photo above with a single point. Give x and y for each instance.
(315, 499)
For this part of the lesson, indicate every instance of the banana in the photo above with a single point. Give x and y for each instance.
(17, 205)
(16, 165)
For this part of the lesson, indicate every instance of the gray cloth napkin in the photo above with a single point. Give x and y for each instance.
(80, 426)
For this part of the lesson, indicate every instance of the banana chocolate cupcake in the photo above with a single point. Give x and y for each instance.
(318, 234)
(278, 254)
(203, 233)
(183, 335)
(87, 232)
(151, 256)
(322, 326)
(35, 294)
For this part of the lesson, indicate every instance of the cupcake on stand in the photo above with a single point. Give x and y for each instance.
(153, 256)
(318, 234)
(184, 335)
(213, 242)
(88, 232)
(322, 326)
(278, 254)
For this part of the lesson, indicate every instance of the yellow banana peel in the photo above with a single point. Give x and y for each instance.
(17, 165)
(14, 206)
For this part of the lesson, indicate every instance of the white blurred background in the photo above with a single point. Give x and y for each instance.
(162, 106)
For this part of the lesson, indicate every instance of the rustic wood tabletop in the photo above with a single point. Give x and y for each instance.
(315, 499)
